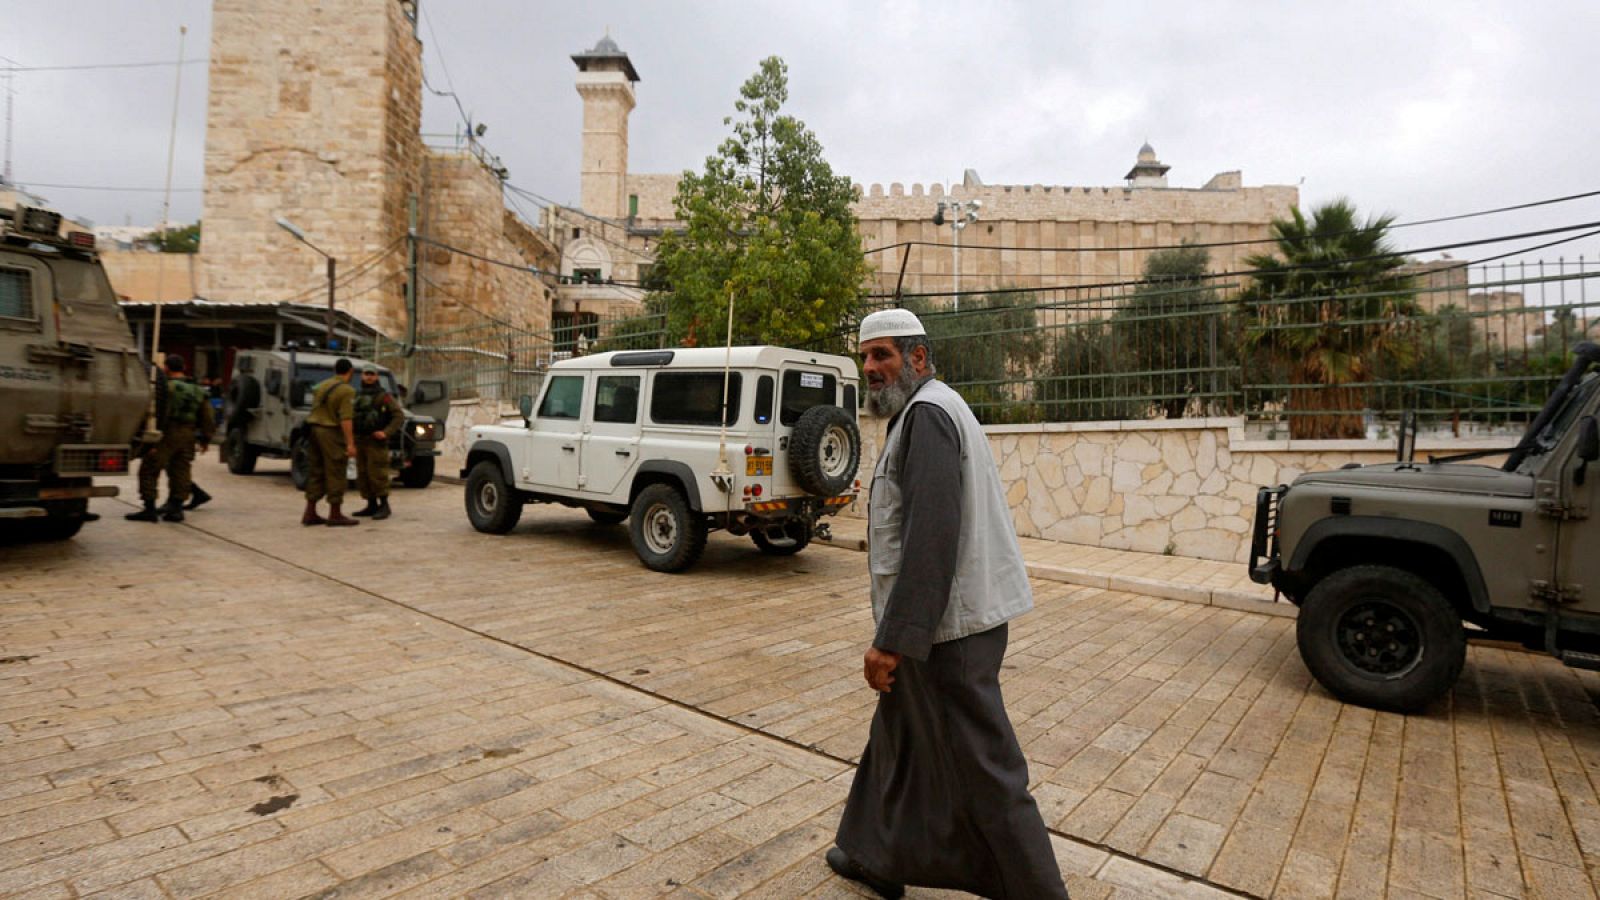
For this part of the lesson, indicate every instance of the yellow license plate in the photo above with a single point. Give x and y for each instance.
(757, 465)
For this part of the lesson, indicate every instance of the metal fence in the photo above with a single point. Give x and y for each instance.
(1473, 350)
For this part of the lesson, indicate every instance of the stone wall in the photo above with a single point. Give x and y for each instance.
(462, 208)
(162, 277)
(1184, 487)
(313, 114)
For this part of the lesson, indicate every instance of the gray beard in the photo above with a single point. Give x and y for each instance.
(887, 401)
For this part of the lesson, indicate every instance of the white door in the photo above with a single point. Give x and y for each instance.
(553, 444)
(611, 446)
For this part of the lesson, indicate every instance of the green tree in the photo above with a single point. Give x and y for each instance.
(1173, 331)
(175, 240)
(767, 222)
(1328, 309)
(987, 351)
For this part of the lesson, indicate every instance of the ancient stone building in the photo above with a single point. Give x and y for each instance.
(313, 117)
(1031, 235)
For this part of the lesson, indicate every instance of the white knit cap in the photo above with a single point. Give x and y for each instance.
(890, 323)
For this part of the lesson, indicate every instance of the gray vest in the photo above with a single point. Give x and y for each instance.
(991, 583)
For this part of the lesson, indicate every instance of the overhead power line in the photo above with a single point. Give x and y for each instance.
(1238, 243)
(89, 66)
(39, 185)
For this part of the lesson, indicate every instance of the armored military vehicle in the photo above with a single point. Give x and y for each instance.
(73, 392)
(1387, 562)
(269, 397)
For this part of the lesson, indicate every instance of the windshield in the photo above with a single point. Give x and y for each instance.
(1575, 403)
(308, 377)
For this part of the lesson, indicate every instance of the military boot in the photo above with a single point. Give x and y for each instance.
(382, 512)
(369, 509)
(148, 514)
(173, 511)
(197, 496)
(338, 519)
(310, 517)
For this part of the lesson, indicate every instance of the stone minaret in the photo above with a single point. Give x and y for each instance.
(605, 82)
(1147, 171)
(313, 115)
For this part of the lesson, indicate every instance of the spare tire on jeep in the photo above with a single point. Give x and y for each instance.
(244, 394)
(825, 450)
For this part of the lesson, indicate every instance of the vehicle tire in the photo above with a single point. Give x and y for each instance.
(824, 450)
(236, 450)
(493, 506)
(606, 516)
(244, 394)
(300, 461)
(419, 474)
(667, 535)
(65, 520)
(1381, 637)
(796, 535)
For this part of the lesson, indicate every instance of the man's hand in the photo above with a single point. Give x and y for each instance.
(879, 667)
(379, 435)
(350, 449)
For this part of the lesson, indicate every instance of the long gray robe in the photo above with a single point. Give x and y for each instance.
(941, 796)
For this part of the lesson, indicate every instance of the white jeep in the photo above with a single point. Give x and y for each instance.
(640, 435)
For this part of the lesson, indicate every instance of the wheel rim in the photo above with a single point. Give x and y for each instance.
(488, 497)
(660, 528)
(834, 452)
(1379, 639)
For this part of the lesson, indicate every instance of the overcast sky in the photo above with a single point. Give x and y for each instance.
(1420, 110)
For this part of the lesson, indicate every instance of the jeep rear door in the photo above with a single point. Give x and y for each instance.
(611, 438)
(552, 446)
(799, 389)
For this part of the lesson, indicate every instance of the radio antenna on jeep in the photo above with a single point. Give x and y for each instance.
(722, 475)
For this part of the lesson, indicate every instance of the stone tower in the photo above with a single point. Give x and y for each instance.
(314, 115)
(1147, 171)
(605, 82)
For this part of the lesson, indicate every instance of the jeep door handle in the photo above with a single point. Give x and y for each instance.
(570, 448)
(624, 452)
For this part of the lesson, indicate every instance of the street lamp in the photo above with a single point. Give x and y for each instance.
(333, 265)
(962, 214)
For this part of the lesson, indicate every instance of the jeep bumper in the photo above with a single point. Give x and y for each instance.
(785, 507)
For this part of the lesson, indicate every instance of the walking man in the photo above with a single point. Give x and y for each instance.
(186, 418)
(941, 796)
(330, 445)
(378, 417)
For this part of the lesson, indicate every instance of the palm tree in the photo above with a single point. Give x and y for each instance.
(1328, 308)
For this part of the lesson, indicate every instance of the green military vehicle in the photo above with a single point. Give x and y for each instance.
(269, 397)
(73, 391)
(1394, 566)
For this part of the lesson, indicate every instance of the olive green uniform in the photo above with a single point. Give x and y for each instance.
(375, 411)
(188, 415)
(332, 402)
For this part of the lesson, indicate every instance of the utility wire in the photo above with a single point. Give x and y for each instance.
(38, 185)
(88, 66)
(1238, 243)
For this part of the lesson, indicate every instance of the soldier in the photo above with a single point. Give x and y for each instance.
(330, 445)
(188, 418)
(378, 417)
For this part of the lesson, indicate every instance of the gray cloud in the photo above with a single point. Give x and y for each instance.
(1415, 109)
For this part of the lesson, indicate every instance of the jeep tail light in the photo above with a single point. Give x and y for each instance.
(83, 240)
(756, 490)
(749, 449)
(112, 461)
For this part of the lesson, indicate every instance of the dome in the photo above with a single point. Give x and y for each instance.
(1147, 153)
(606, 47)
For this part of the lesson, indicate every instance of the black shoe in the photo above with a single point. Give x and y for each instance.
(369, 509)
(197, 497)
(172, 514)
(148, 514)
(383, 511)
(846, 867)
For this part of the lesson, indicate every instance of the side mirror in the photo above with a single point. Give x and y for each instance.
(525, 405)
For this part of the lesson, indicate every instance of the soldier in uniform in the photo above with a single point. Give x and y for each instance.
(187, 419)
(331, 443)
(378, 417)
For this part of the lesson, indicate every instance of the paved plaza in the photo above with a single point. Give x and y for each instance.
(239, 705)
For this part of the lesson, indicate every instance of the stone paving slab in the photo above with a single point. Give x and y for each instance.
(183, 716)
(1171, 740)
